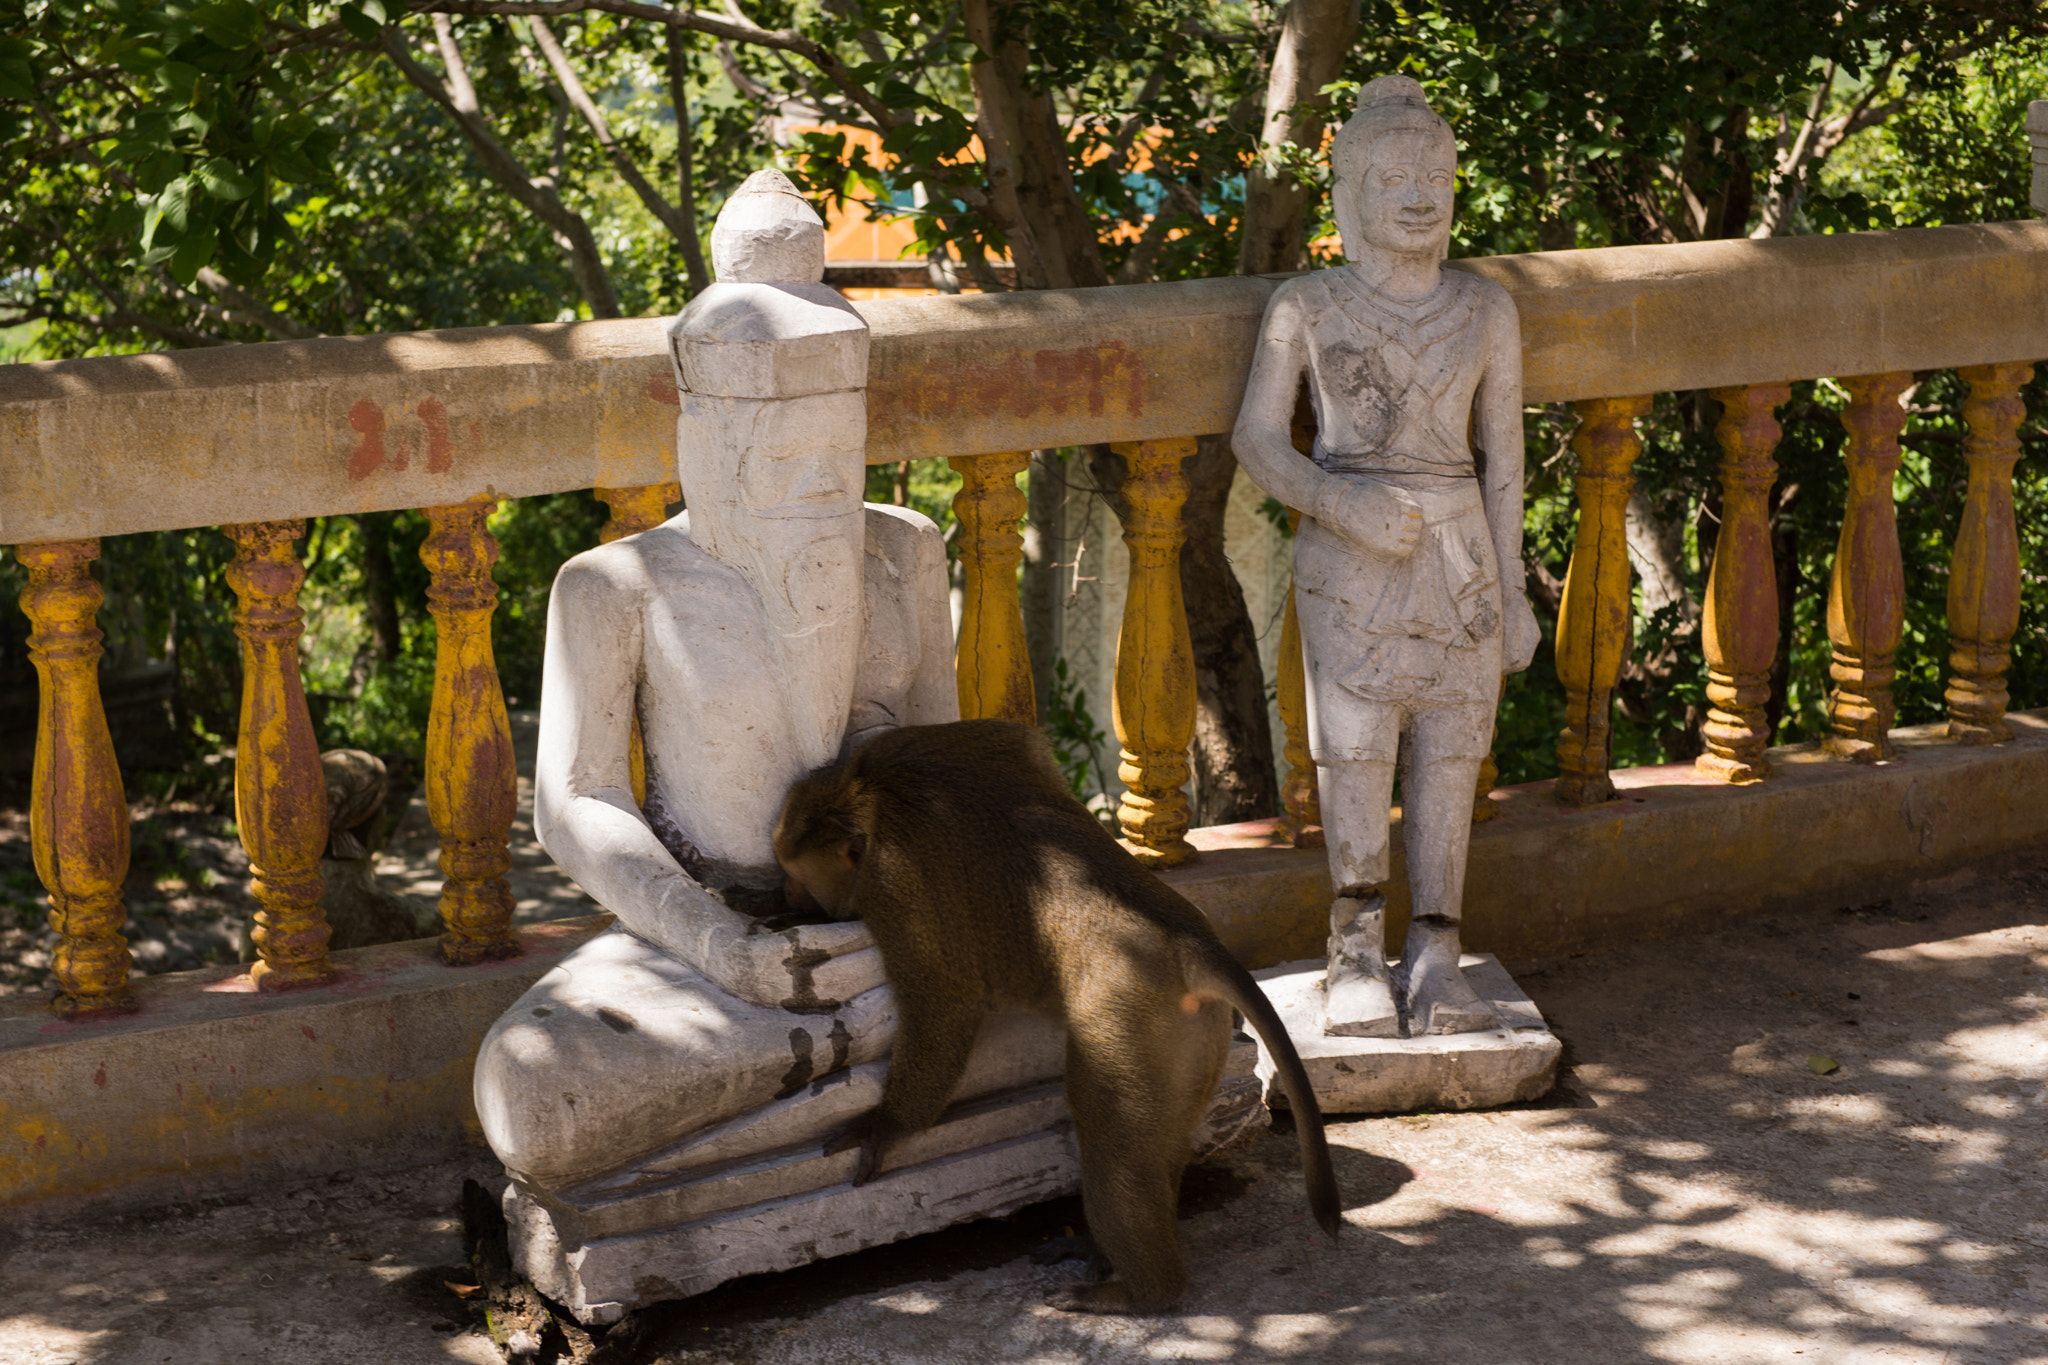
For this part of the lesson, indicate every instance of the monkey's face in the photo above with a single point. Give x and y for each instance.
(821, 876)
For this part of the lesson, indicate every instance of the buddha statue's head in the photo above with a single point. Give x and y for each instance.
(1395, 169)
(771, 444)
(767, 233)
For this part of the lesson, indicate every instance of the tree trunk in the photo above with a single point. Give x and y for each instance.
(1233, 749)
(380, 595)
(1314, 37)
(1045, 549)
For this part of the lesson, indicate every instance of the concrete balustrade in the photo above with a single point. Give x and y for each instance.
(257, 437)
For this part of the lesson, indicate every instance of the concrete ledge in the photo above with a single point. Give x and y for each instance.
(212, 1089)
(1676, 851)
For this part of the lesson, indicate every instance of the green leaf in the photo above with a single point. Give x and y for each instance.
(179, 79)
(225, 180)
(194, 250)
(17, 79)
(155, 171)
(167, 210)
(1822, 1066)
(362, 24)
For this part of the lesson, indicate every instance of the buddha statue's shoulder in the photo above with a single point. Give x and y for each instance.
(661, 560)
(900, 540)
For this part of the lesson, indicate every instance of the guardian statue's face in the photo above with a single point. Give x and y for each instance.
(1400, 199)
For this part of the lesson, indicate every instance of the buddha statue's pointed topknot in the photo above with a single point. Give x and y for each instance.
(767, 233)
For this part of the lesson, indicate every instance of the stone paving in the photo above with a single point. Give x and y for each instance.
(1809, 1138)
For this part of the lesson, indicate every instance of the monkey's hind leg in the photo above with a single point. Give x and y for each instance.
(1135, 1125)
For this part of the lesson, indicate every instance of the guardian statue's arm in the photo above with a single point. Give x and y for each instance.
(1375, 516)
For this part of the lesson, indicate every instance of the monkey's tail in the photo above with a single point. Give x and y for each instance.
(1227, 979)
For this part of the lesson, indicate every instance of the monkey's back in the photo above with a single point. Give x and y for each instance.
(974, 823)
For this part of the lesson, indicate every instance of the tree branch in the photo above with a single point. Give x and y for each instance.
(686, 183)
(600, 128)
(738, 29)
(536, 194)
(243, 306)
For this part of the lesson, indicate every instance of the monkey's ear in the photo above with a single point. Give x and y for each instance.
(855, 848)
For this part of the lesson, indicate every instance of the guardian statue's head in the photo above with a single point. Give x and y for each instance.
(1395, 170)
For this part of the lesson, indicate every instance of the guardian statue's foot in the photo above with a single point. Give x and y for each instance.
(1358, 998)
(1439, 1000)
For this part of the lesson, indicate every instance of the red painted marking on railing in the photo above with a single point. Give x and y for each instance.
(368, 421)
(311, 1036)
(661, 387)
(401, 458)
(440, 446)
(99, 1078)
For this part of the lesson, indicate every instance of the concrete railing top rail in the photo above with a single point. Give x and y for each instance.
(349, 424)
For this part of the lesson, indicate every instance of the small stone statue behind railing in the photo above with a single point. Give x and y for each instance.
(1406, 625)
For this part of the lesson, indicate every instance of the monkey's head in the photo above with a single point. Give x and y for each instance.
(820, 843)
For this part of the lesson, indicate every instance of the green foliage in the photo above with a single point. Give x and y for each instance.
(1078, 743)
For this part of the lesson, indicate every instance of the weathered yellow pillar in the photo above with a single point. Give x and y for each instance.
(1300, 803)
(1984, 572)
(280, 791)
(1153, 708)
(634, 510)
(472, 785)
(1867, 591)
(1483, 808)
(78, 813)
(1740, 631)
(1593, 622)
(992, 668)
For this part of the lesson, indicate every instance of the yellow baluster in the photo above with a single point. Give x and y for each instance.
(992, 667)
(280, 791)
(472, 785)
(1867, 591)
(1984, 573)
(1153, 708)
(1300, 802)
(1489, 773)
(1740, 631)
(78, 813)
(634, 510)
(1594, 635)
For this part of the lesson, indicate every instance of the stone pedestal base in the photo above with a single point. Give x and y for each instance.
(685, 1220)
(1517, 1061)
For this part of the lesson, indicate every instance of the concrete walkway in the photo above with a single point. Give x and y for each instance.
(1697, 1191)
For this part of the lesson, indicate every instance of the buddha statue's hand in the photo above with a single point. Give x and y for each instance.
(1380, 519)
(1523, 634)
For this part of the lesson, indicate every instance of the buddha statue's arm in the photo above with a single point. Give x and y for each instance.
(583, 808)
(1377, 517)
(1497, 430)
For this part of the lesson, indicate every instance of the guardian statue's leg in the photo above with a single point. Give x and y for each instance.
(1358, 1000)
(1440, 768)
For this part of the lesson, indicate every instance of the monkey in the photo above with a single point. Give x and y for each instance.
(987, 885)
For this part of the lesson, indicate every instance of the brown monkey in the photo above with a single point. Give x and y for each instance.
(986, 885)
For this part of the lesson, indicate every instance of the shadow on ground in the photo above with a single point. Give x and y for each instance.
(1811, 1139)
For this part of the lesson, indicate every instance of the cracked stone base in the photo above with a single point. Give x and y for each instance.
(1516, 1061)
(653, 1233)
